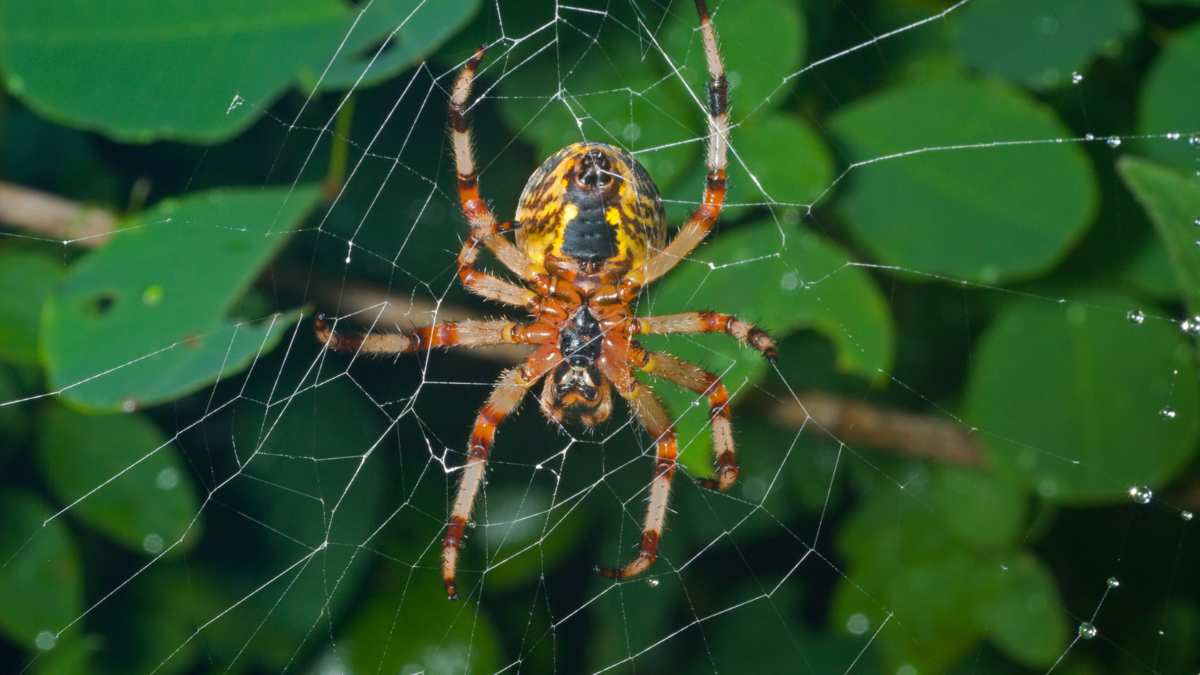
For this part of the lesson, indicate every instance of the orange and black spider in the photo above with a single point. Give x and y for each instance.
(590, 235)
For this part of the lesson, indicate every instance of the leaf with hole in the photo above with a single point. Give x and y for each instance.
(147, 318)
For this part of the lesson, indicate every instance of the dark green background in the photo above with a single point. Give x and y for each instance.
(954, 221)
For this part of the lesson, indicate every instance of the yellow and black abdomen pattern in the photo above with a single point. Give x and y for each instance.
(594, 203)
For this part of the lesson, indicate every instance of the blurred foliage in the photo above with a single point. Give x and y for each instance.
(989, 217)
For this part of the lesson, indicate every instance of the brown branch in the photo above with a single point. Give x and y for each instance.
(852, 422)
(55, 218)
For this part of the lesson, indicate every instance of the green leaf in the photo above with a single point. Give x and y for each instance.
(782, 285)
(26, 280)
(41, 582)
(146, 319)
(421, 26)
(1173, 204)
(909, 572)
(1040, 43)
(989, 214)
(978, 507)
(1022, 618)
(786, 159)
(449, 637)
(1150, 270)
(1169, 101)
(1068, 398)
(121, 476)
(143, 70)
(918, 570)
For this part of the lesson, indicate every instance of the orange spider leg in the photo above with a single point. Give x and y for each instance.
(652, 416)
(705, 322)
(484, 227)
(705, 215)
(703, 382)
(504, 401)
(449, 334)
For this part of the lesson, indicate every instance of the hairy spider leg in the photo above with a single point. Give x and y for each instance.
(504, 401)
(652, 416)
(705, 215)
(706, 322)
(484, 227)
(699, 380)
(449, 334)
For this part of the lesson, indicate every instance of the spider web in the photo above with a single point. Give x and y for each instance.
(881, 506)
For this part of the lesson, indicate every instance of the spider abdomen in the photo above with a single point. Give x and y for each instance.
(592, 205)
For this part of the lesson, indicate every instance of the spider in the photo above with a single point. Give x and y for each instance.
(590, 235)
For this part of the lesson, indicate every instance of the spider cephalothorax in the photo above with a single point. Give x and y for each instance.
(590, 234)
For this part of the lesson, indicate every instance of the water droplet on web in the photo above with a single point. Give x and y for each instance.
(347, 258)
(1076, 78)
(1186, 515)
(1196, 222)
(470, 524)
(1087, 631)
(1194, 141)
(1173, 136)
(858, 624)
(167, 479)
(1167, 413)
(1135, 317)
(45, 640)
(1089, 137)
(652, 582)
(1113, 142)
(153, 543)
(1141, 494)
(1113, 582)
(1191, 327)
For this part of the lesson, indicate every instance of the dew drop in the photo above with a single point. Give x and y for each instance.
(1173, 136)
(1076, 78)
(1113, 142)
(652, 582)
(1196, 222)
(1089, 137)
(1087, 631)
(1194, 141)
(167, 479)
(1135, 317)
(1192, 327)
(153, 543)
(1167, 413)
(858, 624)
(1113, 582)
(45, 640)
(1141, 494)
(1186, 515)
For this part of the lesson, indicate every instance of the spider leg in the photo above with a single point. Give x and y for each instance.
(703, 382)
(705, 322)
(484, 226)
(652, 416)
(449, 334)
(504, 401)
(705, 215)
